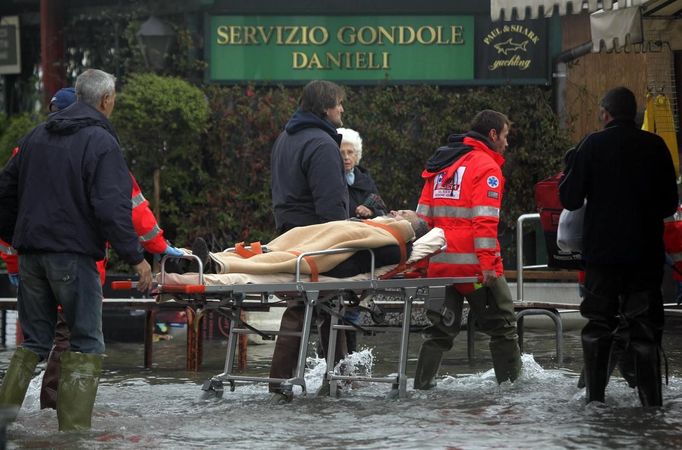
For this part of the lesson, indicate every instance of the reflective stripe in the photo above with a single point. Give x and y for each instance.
(487, 211)
(151, 234)
(423, 210)
(677, 257)
(138, 200)
(485, 243)
(455, 258)
(7, 249)
(465, 213)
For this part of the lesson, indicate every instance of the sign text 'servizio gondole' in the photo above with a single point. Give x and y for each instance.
(403, 49)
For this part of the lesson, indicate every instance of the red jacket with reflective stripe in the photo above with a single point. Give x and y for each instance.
(146, 227)
(464, 200)
(672, 238)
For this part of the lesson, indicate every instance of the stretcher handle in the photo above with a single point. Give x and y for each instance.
(128, 285)
(334, 251)
(189, 257)
(123, 285)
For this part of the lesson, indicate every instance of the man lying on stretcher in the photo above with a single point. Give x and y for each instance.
(389, 236)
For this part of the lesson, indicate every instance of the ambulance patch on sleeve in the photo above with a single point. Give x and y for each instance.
(493, 182)
(493, 194)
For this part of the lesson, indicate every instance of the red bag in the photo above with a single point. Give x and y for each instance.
(549, 206)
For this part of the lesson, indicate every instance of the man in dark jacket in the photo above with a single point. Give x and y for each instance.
(65, 193)
(627, 177)
(308, 187)
(308, 184)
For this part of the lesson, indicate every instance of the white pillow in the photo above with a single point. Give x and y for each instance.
(431, 242)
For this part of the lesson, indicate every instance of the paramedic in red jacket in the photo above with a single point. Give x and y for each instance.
(462, 195)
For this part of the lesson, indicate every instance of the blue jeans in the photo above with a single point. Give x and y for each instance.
(67, 279)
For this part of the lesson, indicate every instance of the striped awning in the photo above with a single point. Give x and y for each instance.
(532, 9)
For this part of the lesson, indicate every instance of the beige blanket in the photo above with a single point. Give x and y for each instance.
(326, 236)
(433, 241)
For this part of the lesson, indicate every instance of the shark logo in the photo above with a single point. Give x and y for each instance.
(510, 46)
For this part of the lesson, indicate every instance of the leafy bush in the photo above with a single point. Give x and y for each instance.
(160, 122)
(12, 130)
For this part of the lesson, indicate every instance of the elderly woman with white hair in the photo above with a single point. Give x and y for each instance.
(364, 199)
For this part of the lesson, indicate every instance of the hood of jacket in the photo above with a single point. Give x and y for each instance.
(76, 117)
(306, 119)
(459, 145)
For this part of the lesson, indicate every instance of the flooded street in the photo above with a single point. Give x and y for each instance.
(164, 407)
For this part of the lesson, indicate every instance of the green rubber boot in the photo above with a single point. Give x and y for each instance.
(16, 381)
(506, 359)
(430, 356)
(78, 381)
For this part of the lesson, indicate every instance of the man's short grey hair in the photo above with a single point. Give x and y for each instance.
(93, 84)
(420, 229)
(353, 138)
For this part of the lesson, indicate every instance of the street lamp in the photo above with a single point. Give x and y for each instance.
(155, 37)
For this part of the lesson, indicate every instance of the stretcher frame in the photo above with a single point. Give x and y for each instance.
(231, 300)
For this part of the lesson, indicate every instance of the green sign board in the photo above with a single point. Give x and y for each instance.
(347, 48)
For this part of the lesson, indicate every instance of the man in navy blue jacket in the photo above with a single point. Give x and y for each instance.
(308, 187)
(628, 179)
(65, 193)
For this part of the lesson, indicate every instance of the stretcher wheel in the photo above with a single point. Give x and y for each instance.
(213, 388)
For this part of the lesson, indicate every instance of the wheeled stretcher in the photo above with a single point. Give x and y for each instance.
(230, 294)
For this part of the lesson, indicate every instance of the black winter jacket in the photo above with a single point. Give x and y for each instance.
(68, 189)
(628, 179)
(308, 182)
(360, 193)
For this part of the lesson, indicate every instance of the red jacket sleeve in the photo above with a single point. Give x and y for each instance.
(10, 256)
(486, 202)
(146, 227)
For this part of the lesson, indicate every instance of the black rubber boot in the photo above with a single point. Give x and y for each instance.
(596, 352)
(640, 330)
(200, 249)
(648, 374)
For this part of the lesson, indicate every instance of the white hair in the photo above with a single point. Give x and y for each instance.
(353, 138)
(93, 84)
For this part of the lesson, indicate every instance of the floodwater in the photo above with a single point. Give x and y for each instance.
(164, 407)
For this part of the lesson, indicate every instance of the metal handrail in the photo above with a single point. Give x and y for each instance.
(519, 253)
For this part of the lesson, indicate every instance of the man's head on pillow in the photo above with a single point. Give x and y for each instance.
(418, 225)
